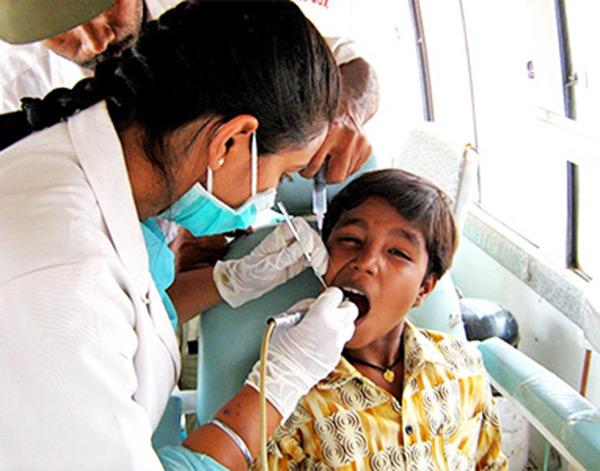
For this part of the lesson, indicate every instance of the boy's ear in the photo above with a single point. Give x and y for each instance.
(426, 288)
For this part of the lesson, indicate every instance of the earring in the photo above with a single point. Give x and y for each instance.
(220, 162)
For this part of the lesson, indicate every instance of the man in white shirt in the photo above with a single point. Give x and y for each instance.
(62, 60)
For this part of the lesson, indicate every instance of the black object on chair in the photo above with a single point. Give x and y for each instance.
(484, 319)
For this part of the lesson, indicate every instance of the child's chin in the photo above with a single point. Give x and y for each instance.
(354, 343)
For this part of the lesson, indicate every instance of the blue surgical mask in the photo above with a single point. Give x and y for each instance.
(202, 213)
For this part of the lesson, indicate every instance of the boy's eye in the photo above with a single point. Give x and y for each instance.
(349, 241)
(399, 253)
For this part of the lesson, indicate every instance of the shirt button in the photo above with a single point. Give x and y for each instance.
(408, 429)
(146, 298)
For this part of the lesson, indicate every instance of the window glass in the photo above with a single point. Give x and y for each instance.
(589, 218)
(584, 36)
(449, 69)
(384, 32)
(517, 81)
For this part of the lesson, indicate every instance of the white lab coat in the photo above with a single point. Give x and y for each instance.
(88, 357)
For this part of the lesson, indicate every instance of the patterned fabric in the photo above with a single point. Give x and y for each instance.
(446, 419)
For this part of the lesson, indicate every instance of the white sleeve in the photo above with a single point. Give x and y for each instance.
(343, 49)
(32, 70)
(66, 361)
(158, 7)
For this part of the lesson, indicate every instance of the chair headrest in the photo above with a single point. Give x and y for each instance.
(429, 154)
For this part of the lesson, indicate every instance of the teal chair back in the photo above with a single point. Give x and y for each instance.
(230, 338)
(297, 193)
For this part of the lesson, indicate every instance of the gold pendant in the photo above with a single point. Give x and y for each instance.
(389, 376)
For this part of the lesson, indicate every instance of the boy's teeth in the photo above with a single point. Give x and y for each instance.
(353, 290)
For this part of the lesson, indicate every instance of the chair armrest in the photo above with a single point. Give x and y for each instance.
(564, 417)
(188, 400)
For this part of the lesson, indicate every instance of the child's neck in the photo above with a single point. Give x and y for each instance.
(384, 352)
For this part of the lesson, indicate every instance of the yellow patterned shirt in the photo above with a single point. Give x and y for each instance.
(446, 418)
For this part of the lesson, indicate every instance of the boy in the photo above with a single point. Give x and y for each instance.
(402, 397)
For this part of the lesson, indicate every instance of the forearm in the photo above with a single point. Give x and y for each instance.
(360, 91)
(298, 357)
(241, 413)
(193, 292)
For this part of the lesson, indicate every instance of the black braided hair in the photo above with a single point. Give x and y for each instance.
(206, 58)
(39, 113)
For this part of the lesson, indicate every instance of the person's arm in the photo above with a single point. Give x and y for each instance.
(241, 413)
(298, 357)
(346, 144)
(278, 258)
(210, 448)
(193, 292)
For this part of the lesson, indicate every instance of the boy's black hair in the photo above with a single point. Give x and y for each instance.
(416, 199)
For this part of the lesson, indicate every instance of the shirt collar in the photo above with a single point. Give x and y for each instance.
(420, 349)
(99, 150)
(103, 162)
(342, 374)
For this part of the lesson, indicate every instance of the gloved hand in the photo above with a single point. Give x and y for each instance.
(275, 260)
(300, 356)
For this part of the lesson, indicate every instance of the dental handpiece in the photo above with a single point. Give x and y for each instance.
(287, 319)
(319, 196)
(288, 221)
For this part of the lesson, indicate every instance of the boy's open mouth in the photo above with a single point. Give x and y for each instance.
(357, 297)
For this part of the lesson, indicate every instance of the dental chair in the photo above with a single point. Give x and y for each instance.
(230, 338)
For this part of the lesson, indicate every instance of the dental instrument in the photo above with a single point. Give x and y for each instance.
(288, 221)
(319, 196)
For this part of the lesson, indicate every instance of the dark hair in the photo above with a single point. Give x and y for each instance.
(416, 199)
(208, 58)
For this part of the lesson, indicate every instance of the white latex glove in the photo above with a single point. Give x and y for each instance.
(300, 356)
(275, 260)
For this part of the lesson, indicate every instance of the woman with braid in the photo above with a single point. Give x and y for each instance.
(174, 127)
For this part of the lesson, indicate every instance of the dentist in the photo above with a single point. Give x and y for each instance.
(215, 103)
